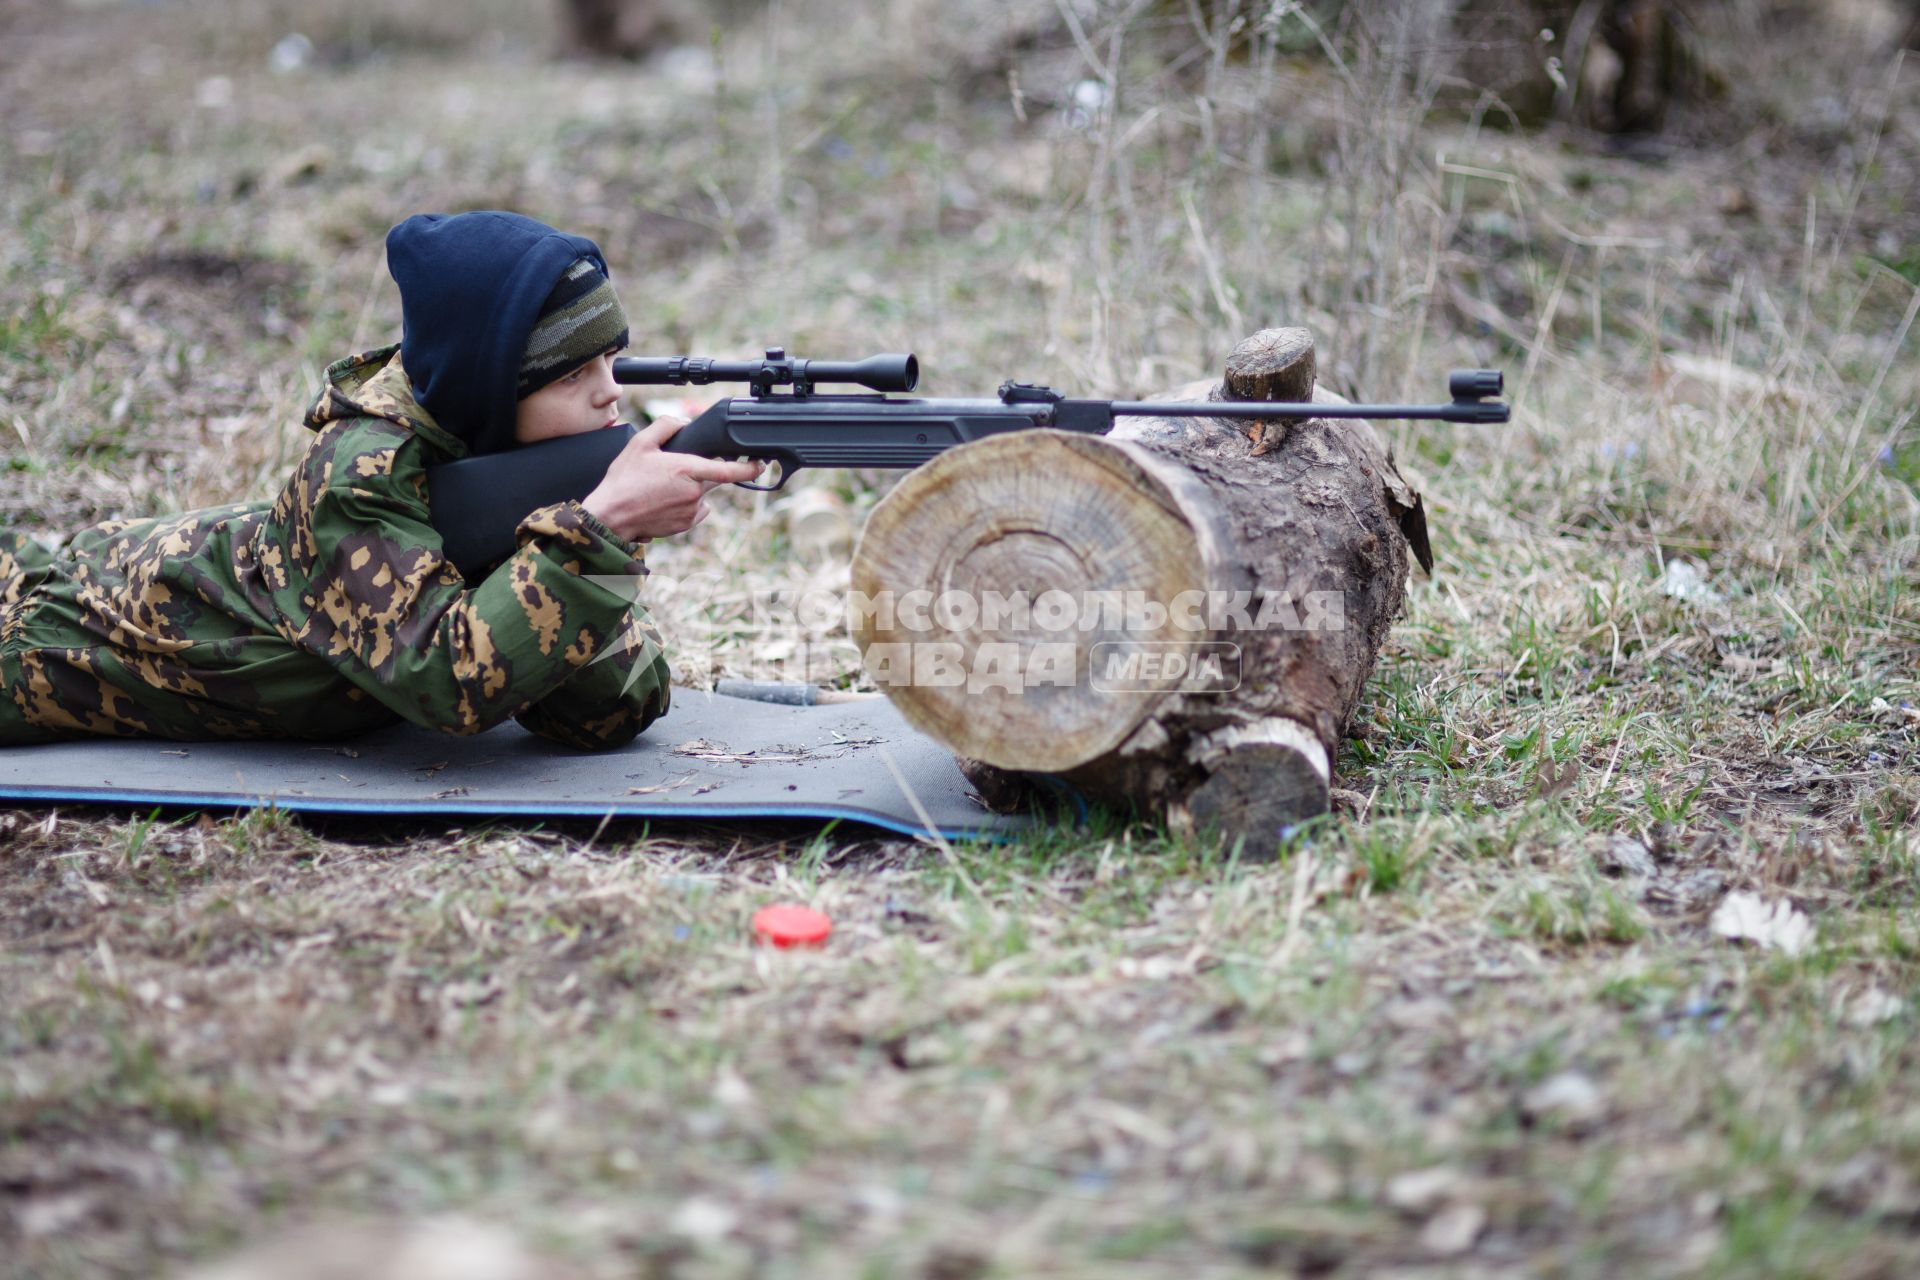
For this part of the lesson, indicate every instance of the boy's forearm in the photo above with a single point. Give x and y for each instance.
(447, 654)
(608, 702)
(540, 621)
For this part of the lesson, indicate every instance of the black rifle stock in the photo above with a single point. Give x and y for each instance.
(477, 503)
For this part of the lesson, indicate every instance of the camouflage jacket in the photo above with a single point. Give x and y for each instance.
(330, 611)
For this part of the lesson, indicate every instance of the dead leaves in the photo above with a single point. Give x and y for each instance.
(717, 753)
(1779, 925)
(1446, 1199)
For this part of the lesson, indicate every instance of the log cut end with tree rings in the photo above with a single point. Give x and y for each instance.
(991, 581)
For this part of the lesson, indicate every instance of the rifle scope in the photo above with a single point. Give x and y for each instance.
(894, 372)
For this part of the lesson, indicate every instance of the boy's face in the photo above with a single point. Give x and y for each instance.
(585, 400)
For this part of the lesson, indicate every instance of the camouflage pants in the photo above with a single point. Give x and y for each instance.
(23, 562)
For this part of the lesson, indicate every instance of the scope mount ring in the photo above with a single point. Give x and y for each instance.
(777, 369)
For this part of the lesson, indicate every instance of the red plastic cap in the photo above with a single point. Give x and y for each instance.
(791, 926)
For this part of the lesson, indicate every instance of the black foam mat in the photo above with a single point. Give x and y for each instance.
(710, 758)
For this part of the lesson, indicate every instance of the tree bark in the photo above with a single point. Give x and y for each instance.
(1292, 536)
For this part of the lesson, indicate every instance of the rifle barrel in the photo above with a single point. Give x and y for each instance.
(1464, 411)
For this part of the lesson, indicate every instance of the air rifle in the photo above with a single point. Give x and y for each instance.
(478, 502)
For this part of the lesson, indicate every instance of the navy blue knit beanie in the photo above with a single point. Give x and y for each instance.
(472, 288)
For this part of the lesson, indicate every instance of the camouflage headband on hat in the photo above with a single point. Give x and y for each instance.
(580, 319)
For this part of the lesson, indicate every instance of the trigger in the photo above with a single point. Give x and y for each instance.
(776, 486)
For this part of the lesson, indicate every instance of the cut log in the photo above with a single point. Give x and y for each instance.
(1178, 617)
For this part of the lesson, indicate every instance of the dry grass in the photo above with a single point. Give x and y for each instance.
(1478, 1024)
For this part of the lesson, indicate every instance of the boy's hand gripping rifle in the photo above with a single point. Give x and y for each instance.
(477, 503)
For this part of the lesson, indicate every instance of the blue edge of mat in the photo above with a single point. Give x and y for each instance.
(498, 808)
(482, 809)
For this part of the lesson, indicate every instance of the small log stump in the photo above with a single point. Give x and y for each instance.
(1280, 548)
(628, 29)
